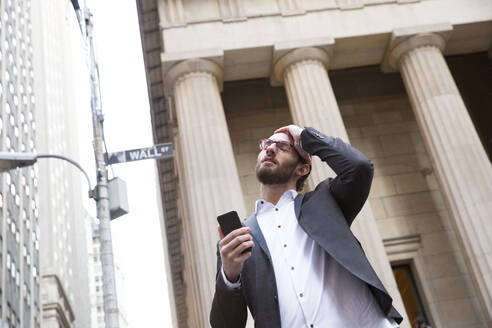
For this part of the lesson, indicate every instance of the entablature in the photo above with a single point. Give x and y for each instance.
(361, 36)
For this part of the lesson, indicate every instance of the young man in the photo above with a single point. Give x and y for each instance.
(306, 268)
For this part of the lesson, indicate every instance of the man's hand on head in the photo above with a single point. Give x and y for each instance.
(295, 132)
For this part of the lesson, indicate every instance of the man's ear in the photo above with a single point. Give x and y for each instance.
(303, 169)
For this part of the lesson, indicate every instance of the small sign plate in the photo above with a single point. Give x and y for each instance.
(164, 150)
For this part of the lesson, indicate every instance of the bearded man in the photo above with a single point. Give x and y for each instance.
(305, 268)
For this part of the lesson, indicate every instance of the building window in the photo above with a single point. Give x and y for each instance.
(408, 290)
(12, 269)
(8, 260)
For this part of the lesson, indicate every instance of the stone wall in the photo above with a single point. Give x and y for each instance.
(406, 202)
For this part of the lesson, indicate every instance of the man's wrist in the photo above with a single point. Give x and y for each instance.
(230, 285)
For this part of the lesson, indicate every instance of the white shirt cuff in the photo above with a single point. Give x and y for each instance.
(230, 285)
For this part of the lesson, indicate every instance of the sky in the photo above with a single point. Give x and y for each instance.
(137, 239)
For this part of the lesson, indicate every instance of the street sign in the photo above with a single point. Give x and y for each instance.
(164, 150)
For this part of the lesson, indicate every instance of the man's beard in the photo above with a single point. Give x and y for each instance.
(281, 174)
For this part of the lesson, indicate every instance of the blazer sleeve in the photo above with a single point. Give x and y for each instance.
(351, 186)
(228, 306)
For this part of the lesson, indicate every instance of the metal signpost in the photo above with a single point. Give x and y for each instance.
(101, 192)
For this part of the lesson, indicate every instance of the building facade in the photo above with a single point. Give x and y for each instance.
(405, 81)
(19, 235)
(61, 88)
(96, 288)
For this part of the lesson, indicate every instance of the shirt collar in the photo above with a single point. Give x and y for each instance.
(287, 197)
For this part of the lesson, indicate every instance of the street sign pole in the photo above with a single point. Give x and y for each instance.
(101, 192)
(111, 314)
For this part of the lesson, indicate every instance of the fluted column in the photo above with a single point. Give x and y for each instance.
(173, 13)
(460, 161)
(209, 179)
(313, 103)
(311, 98)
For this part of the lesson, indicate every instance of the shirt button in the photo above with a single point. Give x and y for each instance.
(275, 298)
(292, 268)
(262, 202)
(301, 295)
(276, 209)
(279, 226)
(311, 326)
(285, 245)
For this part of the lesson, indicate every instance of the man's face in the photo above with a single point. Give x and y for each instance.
(276, 166)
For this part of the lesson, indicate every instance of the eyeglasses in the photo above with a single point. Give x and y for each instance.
(282, 145)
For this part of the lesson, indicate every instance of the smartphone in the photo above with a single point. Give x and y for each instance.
(228, 222)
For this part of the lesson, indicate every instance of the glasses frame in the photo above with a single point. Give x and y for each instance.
(280, 144)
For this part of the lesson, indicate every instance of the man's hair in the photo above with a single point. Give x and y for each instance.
(302, 179)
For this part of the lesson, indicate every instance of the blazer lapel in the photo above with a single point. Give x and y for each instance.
(252, 223)
(297, 205)
(324, 222)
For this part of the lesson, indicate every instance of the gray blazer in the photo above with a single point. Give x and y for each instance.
(325, 214)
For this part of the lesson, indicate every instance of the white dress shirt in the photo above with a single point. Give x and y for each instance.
(314, 290)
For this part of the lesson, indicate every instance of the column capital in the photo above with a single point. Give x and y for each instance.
(289, 53)
(406, 39)
(176, 65)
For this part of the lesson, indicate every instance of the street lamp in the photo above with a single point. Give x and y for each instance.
(12, 160)
(111, 203)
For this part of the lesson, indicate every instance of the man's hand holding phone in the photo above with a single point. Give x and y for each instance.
(232, 249)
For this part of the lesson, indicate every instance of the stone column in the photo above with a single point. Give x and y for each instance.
(209, 180)
(460, 161)
(312, 103)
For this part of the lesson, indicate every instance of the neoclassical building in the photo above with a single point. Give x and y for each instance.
(407, 82)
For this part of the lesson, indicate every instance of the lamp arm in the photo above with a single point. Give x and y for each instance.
(71, 162)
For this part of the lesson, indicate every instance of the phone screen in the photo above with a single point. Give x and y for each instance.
(229, 222)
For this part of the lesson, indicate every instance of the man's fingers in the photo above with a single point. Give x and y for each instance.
(293, 130)
(228, 247)
(287, 130)
(235, 243)
(238, 251)
(230, 256)
(282, 129)
(238, 255)
(243, 257)
(235, 233)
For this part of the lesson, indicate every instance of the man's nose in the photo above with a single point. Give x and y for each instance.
(271, 149)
